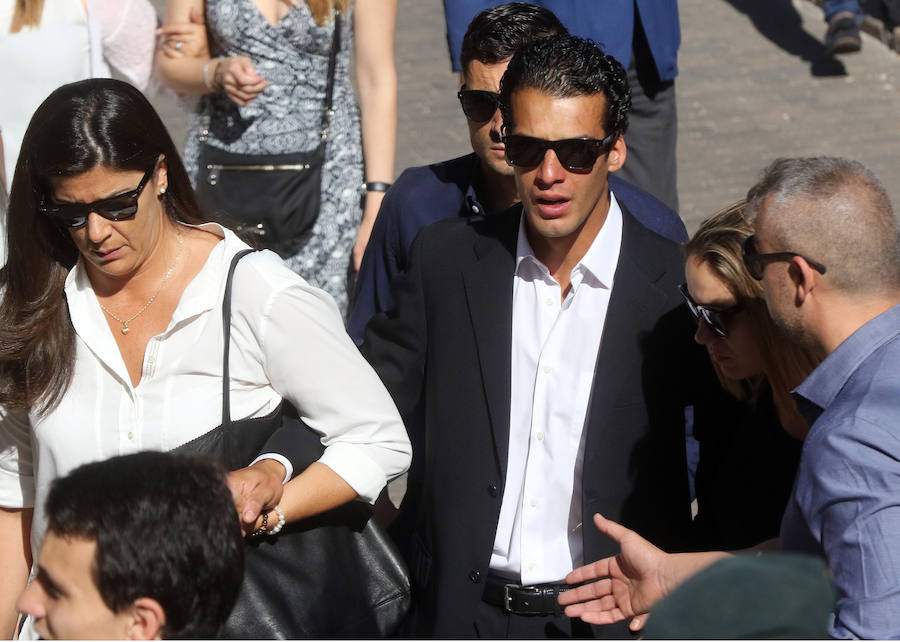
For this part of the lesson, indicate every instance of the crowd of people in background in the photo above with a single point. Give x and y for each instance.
(608, 425)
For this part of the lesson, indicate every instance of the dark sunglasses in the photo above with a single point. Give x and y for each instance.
(574, 153)
(755, 262)
(478, 106)
(717, 320)
(115, 208)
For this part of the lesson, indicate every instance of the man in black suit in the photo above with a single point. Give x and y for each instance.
(543, 347)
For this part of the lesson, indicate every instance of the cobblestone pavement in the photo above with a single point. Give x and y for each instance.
(755, 84)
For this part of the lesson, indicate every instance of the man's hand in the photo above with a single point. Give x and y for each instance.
(619, 587)
(256, 489)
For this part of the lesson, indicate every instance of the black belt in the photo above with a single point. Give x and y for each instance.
(534, 599)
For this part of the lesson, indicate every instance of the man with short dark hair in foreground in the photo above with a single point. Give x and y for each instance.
(143, 546)
(545, 346)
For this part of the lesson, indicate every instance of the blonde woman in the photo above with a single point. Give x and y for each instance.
(262, 76)
(750, 449)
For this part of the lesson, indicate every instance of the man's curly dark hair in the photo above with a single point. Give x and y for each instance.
(564, 66)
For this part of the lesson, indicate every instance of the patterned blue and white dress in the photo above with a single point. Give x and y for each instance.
(285, 117)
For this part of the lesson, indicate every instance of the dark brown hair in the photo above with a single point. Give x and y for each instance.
(97, 122)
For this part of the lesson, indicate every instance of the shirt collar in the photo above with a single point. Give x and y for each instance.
(822, 386)
(599, 261)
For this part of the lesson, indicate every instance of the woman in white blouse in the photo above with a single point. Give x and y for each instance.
(111, 330)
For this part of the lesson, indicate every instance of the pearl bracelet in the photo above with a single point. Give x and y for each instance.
(280, 524)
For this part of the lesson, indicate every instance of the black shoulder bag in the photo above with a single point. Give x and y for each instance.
(275, 198)
(332, 575)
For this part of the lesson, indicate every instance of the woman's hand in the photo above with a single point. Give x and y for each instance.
(237, 76)
(185, 39)
(619, 587)
(256, 489)
(370, 212)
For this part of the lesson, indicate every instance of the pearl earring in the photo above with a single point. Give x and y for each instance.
(162, 190)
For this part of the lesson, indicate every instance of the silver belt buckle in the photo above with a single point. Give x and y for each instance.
(506, 597)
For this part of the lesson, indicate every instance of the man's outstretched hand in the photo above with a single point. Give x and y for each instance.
(620, 587)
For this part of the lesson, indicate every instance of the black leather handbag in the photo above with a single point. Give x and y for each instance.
(333, 575)
(274, 199)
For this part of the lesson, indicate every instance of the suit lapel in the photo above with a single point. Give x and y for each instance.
(488, 286)
(635, 297)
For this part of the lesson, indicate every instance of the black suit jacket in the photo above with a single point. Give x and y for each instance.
(444, 355)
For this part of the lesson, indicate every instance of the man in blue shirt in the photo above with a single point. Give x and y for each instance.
(479, 183)
(827, 250)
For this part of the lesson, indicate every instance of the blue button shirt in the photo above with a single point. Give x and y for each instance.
(425, 195)
(846, 500)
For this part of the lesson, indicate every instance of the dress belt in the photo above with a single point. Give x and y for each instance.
(532, 599)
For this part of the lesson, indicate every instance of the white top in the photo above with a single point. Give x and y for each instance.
(70, 44)
(287, 340)
(555, 342)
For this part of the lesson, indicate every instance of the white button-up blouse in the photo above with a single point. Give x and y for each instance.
(287, 341)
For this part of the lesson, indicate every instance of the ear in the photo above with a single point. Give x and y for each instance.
(804, 278)
(147, 619)
(617, 154)
(162, 176)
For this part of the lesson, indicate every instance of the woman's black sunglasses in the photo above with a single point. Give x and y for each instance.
(717, 320)
(115, 208)
(576, 154)
(478, 106)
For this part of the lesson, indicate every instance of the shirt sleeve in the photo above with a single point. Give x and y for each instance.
(128, 36)
(853, 509)
(16, 461)
(312, 362)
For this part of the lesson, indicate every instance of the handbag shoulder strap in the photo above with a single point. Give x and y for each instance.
(226, 331)
(332, 67)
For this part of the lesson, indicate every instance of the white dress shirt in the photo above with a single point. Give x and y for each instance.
(287, 340)
(555, 342)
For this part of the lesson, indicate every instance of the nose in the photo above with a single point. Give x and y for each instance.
(704, 334)
(550, 170)
(97, 228)
(496, 124)
(31, 601)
